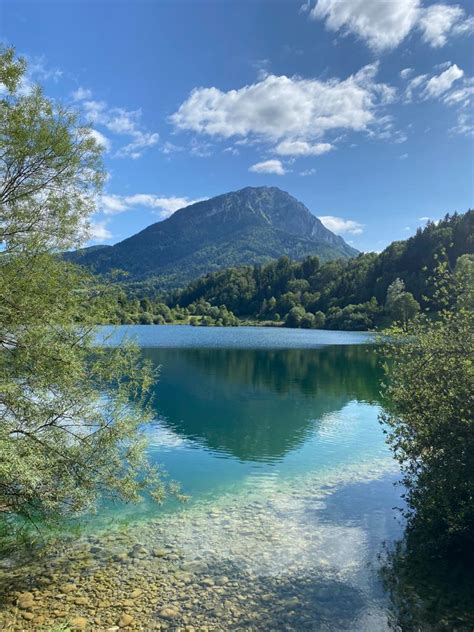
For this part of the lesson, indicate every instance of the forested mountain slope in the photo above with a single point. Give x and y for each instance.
(250, 226)
(350, 293)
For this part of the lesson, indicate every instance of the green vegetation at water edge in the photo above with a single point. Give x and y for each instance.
(365, 292)
(70, 412)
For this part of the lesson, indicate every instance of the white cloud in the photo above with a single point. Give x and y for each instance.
(98, 231)
(100, 139)
(440, 84)
(414, 85)
(37, 71)
(426, 87)
(406, 72)
(268, 166)
(302, 148)
(81, 93)
(307, 172)
(461, 96)
(384, 24)
(112, 204)
(438, 21)
(341, 226)
(288, 110)
(170, 148)
(465, 125)
(118, 121)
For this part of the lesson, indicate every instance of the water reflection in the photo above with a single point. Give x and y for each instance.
(257, 405)
(428, 592)
(291, 496)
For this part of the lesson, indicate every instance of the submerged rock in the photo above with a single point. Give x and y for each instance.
(169, 612)
(125, 620)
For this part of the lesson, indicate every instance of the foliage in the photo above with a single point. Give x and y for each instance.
(428, 591)
(362, 293)
(69, 431)
(148, 311)
(400, 305)
(430, 416)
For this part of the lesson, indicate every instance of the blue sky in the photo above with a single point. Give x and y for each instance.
(362, 109)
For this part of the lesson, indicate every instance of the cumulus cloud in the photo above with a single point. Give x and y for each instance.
(406, 72)
(439, 21)
(452, 88)
(268, 166)
(413, 86)
(81, 93)
(383, 25)
(112, 204)
(464, 126)
(302, 148)
(426, 87)
(100, 139)
(98, 231)
(439, 84)
(461, 96)
(341, 226)
(118, 121)
(290, 111)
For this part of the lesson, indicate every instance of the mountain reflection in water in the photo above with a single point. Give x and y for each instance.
(257, 405)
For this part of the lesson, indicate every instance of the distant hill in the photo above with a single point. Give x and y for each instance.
(250, 226)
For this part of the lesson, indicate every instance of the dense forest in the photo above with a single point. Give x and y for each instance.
(361, 293)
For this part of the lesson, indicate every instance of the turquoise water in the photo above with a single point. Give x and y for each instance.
(253, 403)
(273, 433)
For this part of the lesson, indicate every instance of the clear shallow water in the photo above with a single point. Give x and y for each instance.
(274, 435)
(276, 432)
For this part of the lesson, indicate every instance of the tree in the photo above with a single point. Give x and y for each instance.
(308, 321)
(464, 273)
(401, 305)
(295, 316)
(70, 411)
(430, 415)
(319, 320)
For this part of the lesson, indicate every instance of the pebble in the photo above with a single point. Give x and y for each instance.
(26, 601)
(168, 612)
(186, 572)
(125, 620)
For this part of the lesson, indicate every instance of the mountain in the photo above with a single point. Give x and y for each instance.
(249, 226)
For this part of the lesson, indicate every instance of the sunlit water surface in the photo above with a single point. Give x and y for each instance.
(273, 434)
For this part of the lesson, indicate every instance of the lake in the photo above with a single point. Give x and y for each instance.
(274, 436)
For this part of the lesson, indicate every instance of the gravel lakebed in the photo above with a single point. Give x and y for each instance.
(259, 560)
